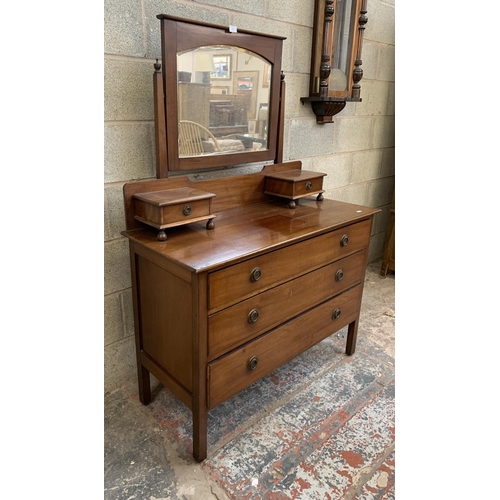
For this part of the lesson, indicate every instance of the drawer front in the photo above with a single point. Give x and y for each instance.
(243, 367)
(185, 211)
(291, 189)
(172, 213)
(240, 281)
(303, 188)
(231, 327)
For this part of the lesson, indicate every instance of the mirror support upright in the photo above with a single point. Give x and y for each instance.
(160, 126)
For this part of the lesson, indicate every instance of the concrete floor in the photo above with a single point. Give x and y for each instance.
(320, 427)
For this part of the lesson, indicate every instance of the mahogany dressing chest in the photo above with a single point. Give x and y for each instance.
(219, 305)
(216, 310)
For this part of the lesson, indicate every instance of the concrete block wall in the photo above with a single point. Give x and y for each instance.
(356, 151)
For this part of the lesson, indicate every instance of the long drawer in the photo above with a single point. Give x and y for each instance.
(231, 327)
(237, 282)
(242, 367)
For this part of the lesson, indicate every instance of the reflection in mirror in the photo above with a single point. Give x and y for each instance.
(223, 101)
(222, 67)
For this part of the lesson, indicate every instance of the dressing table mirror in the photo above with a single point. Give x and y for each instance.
(219, 305)
(221, 96)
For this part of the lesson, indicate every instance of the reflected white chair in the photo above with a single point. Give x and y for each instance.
(191, 137)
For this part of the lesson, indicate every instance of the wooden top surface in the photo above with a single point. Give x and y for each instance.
(247, 231)
(173, 196)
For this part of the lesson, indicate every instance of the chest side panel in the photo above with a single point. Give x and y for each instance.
(165, 320)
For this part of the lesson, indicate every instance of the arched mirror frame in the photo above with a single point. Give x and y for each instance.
(178, 35)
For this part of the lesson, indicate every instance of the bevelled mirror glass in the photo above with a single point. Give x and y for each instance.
(217, 98)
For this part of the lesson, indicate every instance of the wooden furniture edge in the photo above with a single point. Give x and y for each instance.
(230, 192)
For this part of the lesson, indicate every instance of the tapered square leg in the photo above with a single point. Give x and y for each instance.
(352, 334)
(144, 385)
(200, 434)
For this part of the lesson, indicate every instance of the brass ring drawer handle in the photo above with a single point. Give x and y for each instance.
(252, 363)
(253, 316)
(187, 210)
(256, 274)
(344, 240)
(309, 185)
(339, 275)
(336, 314)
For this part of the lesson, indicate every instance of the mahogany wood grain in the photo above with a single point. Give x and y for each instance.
(178, 35)
(173, 196)
(146, 365)
(230, 192)
(166, 326)
(234, 283)
(160, 126)
(352, 337)
(160, 261)
(223, 28)
(177, 389)
(163, 216)
(294, 184)
(199, 342)
(143, 377)
(230, 374)
(201, 354)
(231, 327)
(281, 121)
(170, 78)
(250, 231)
(352, 332)
(198, 317)
(293, 176)
(317, 41)
(324, 40)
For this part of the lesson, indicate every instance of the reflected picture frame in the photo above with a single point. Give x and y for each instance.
(223, 67)
(217, 90)
(252, 126)
(247, 83)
